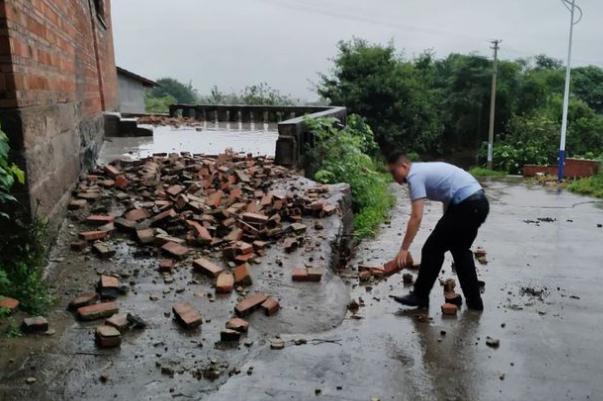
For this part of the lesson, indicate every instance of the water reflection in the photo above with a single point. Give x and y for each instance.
(209, 137)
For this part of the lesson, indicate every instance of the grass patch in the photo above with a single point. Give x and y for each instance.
(592, 186)
(482, 172)
(349, 155)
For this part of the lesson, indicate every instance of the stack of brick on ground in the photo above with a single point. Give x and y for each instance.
(216, 214)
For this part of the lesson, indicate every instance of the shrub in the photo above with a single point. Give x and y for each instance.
(343, 155)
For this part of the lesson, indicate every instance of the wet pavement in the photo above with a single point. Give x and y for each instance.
(550, 341)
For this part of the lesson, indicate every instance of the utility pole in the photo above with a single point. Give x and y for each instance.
(572, 7)
(494, 47)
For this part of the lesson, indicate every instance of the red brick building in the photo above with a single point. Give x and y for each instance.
(57, 78)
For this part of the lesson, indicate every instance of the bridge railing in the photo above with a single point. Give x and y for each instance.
(293, 135)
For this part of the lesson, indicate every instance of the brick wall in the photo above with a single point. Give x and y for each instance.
(57, 76)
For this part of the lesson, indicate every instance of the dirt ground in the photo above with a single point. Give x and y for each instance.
(542, 302)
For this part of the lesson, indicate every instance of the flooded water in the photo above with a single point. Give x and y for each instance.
(209, 138)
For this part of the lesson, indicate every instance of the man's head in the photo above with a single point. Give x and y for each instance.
(399, 166)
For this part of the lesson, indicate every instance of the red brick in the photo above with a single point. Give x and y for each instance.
(137, 214)
(225, 282)
(249, 304)
(175, 249)
(121, 182)
(449, 309)
(207, 267)
(244, 258)
(255, 218)
(166, 265)
(83, 300)
(174, 190)
(107, 337)
(215, 199)
(146, 235)
(299, 274)
(391, 267)
(238, 324)
(235, 235)
(187, 315)
(34, 324)
(77, 204)
(9, 303)
(227, 335)
(270, 306)
(244, 248)
(159, 217)
(314, 274)
(93, 235)
(290, 244)
(97, 311)
(119, 321)
(258, 245)
(111, 170)
(328, 209)
(103, 250)
(241, 275)
(200, 231)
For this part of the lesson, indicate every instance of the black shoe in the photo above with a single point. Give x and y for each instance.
(475, 303)
(411, 300)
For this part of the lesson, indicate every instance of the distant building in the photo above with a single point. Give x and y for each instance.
(57, 79)
(131, 91)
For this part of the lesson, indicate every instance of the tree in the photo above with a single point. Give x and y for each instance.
(172, 87)
(373, 81)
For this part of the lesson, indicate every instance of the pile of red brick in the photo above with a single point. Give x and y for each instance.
(175, 122)
(184, 204)
(367, 273)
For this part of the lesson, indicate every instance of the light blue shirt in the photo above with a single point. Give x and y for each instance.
(441, 182)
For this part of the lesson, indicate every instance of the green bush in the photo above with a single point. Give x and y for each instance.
(22, 243)
(158, 104)
(592, 186)
(344, 155)
(486, 172)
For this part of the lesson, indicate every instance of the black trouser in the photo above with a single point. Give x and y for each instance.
(455, 232)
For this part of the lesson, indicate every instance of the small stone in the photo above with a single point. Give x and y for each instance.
(492, 342)
(31, 380)
(277, 343)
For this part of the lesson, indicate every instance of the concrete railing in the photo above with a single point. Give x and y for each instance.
(293, 135)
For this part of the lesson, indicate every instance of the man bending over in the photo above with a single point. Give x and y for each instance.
(465, 209)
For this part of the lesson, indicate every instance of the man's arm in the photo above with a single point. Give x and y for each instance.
(414, 222)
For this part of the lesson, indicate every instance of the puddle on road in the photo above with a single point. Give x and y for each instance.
(209, 138)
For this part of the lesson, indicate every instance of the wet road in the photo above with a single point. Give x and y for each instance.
(550, 344)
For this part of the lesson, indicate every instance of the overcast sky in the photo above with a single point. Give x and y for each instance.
(233, 43)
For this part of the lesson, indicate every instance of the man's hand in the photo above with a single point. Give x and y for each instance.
(401, 258)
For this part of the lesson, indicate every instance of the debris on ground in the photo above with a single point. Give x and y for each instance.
(449, 309)
(492, 342)
(9, 304)
(36, 324)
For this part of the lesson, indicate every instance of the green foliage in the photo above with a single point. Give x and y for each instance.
(592, 186)
(479, 172)
(158, 104)
(344, 156)
(183, 93)
(259, 94)
(21, 242)
(12, 329)
(9, 173)
(439, 107)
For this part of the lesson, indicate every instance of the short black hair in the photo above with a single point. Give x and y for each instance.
(396, 157)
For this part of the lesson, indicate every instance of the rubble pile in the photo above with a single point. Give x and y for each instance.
(215, 214)
(175, 122)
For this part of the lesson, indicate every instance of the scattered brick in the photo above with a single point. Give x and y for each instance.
(78, 245)
(186, 315)
(166, 265)
(99, 219)
(9, 303)
(238, 324)
(93, 235)
(453, 298)
(255, 218)
(137, 214)
(146, 235)
(215, 199)
(225, 282)
(97, 311)
(250, 303)
(241, 275)
(306, 274)
(77, 204)
(391, 267)
(119, 321)
(175, 249)
(107, 337)
(228, 335)
(103, 250)
(83, 300)
(174, 190)
(290, 244)
(270, 306)
(449, 309)
(200, 231)
(207, 267)
(121, 182)
(34, 324)
(108, 287)
(314, 274)
(160, 217)
(112, 171)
